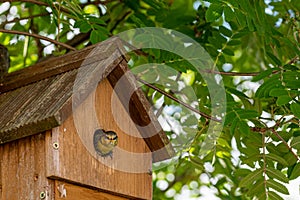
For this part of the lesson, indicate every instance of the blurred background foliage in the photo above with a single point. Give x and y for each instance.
(254, 45)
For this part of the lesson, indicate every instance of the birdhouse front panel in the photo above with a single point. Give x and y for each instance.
(72, 155)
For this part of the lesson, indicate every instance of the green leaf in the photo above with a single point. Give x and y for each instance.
(257, 188)
(290, 67)
(241, 172)
(237, 92)
(96, 36)
(261, 195)
(278, 92)
(154, 4)
(257, 105)
(250, 23)
(228, 52)
(240, 17)
(251, 177)
(296, 133)
(282, 100)
(214, 12)
(290, 158)
(247, 114)
(83, 25)
(274, 196)
(243, 127)
(291, 75)
(264, 89)
(263, 74)
(225, 31)
(240, 34)
(293, 84)
(230, 116)
(276, 174)
(296, 172)
(137, 21)
(277, 158)
(234, 42)
(295, 108)
(233, 125)
(282, 148)
(274, 58)
(217, 40)
(228, 13)
(295, 143)
(277, 186)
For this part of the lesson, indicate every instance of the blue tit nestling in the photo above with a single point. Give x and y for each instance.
(104, 142)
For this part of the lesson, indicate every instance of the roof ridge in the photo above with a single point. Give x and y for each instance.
(55, 66)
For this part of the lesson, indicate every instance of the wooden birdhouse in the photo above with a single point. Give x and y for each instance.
(50, 113)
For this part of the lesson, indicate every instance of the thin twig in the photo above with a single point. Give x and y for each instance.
(263, 130)
(40, 3)
(235, 73)
(24, 18)
(285, 143)
(293, 60)
(97, 3)
(39, 37)
(179, 101)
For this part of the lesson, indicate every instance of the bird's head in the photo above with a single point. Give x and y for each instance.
(110, 138)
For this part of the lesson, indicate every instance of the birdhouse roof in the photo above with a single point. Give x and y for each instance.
(40, 97)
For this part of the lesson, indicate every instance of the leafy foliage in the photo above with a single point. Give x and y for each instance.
(255, 48)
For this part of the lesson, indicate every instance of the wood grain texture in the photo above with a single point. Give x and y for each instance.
(22, 169)
(62, 64)
(136, 104)
(76, 160)
(34, 108)
(4, 61)
(67, 191)
(40, 97)
(47, 103)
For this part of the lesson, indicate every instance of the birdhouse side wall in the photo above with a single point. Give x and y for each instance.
(23, 169)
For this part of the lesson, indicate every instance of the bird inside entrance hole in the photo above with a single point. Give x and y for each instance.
(104, 142)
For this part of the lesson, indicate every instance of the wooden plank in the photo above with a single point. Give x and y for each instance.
(67, 191)
(140, 112)
(77, 161)
(22, 169)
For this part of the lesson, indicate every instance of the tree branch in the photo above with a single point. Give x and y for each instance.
(263, 130)
(24, 18)
(285, 143)
(97, 3)
(40, 3)
(179, 101)
(39, 37)
(78, 39)
(292, 61)
(234, 73)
